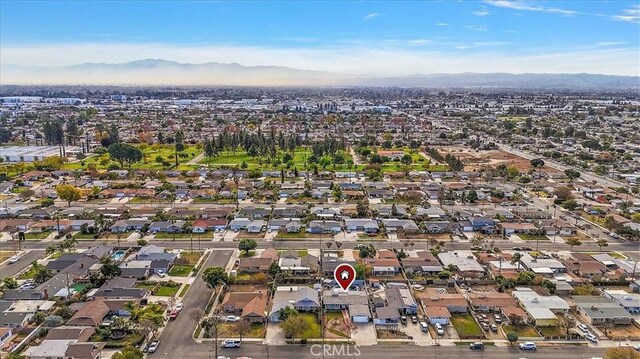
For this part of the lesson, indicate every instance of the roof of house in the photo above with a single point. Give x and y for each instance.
(91, 314)
(437, 312)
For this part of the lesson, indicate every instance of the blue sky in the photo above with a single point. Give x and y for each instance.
(387, 38)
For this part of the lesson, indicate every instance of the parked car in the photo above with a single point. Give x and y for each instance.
(153, 346)
(231, 343)
(590, 337)
(161, 273)
(414, 319)
(424, 327)
(231, 318)
(403, 320)
(583, 328)
(494, 328)
(484, 325)
(527, 346)
(173, 315)
(439, 329)
(179, 307)
(476, 346)
(497, 318)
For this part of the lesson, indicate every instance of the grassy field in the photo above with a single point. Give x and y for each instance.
(230, 159)
(551, 332)
(522, 331)
(180, 271)
(466, 326)
(102, 162)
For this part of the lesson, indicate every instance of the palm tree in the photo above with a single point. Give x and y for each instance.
(516, 259)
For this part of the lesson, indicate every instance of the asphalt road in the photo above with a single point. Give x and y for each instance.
(256, 351)
(176, 338)
(9, 270)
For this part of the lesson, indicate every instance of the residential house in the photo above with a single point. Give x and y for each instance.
(303, 299)
(490, 301)
(324, 227)
(629, 301)
(400, 297)
(64, 348)
(251, 306)
(355, 302)
(600, 310)
(541, 309)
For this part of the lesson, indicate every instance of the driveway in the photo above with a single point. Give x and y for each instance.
(364, 334)
(413, 330)
(275, 335)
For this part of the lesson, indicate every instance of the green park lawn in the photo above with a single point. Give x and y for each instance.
(231, 159)
(167, 152)
(466, 326)
(180, 271)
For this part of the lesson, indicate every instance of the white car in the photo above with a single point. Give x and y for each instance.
(583, 328)
(527, 346)
(153, 347)
(590, 337)
(231, 319)
(14, 259)
(231, 343)
(179, 306)
(160, 273)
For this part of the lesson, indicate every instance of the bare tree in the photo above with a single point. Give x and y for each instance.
(242, 327)
(212, 327)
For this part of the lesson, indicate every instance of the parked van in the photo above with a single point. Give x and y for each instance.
(583, 328)
(439, 329)
(424, 327)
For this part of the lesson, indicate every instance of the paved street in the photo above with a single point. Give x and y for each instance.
(256, 351)
(9, 270)
(176, 339)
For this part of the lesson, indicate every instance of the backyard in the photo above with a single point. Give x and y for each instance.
(466, 326)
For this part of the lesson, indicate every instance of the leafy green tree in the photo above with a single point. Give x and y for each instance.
(68, 193)
(602, 243)
(215, 276)
(125, 153)
(570, 204)
(42, 274)
(129, 352)
(294, 326)
(9, 283)
(622, 353)
(361, 270)
(367, 251)
(274, 269)
(287, 312)
(572, 242)
(406, 159)
(512, 337)
(53, 321)
(247, 245)
(537, 163)
(572, 174)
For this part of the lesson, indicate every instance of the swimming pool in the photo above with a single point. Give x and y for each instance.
(118, 255)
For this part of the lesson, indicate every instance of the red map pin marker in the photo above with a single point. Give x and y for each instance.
(344, 274)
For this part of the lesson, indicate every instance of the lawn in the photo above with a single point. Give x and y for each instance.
(287, 235)
(182, 236)
(466, 326)
(230, 159)
(184, 290)
(313, 330)
(84, 236)
(37, 235)
(256, 330)
(550, 332)
(180, 271)
(4, 255)
(129, 339)
(28, 274)
(190, 258)
(161, 289)
(102, 162)
(524, 331)
(531, 237)
(167, 291)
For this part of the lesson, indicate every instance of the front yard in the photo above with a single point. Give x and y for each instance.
(532, 237)
(466, 326)
(255, 331)
(180, 271)
(164, 289)
(523, 331)
(37, 235)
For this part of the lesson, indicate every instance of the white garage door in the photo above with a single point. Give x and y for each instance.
(360, 319)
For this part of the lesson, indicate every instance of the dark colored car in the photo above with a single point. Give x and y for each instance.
(476, 346)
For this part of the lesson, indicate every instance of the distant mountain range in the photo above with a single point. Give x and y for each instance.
(167, 73)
